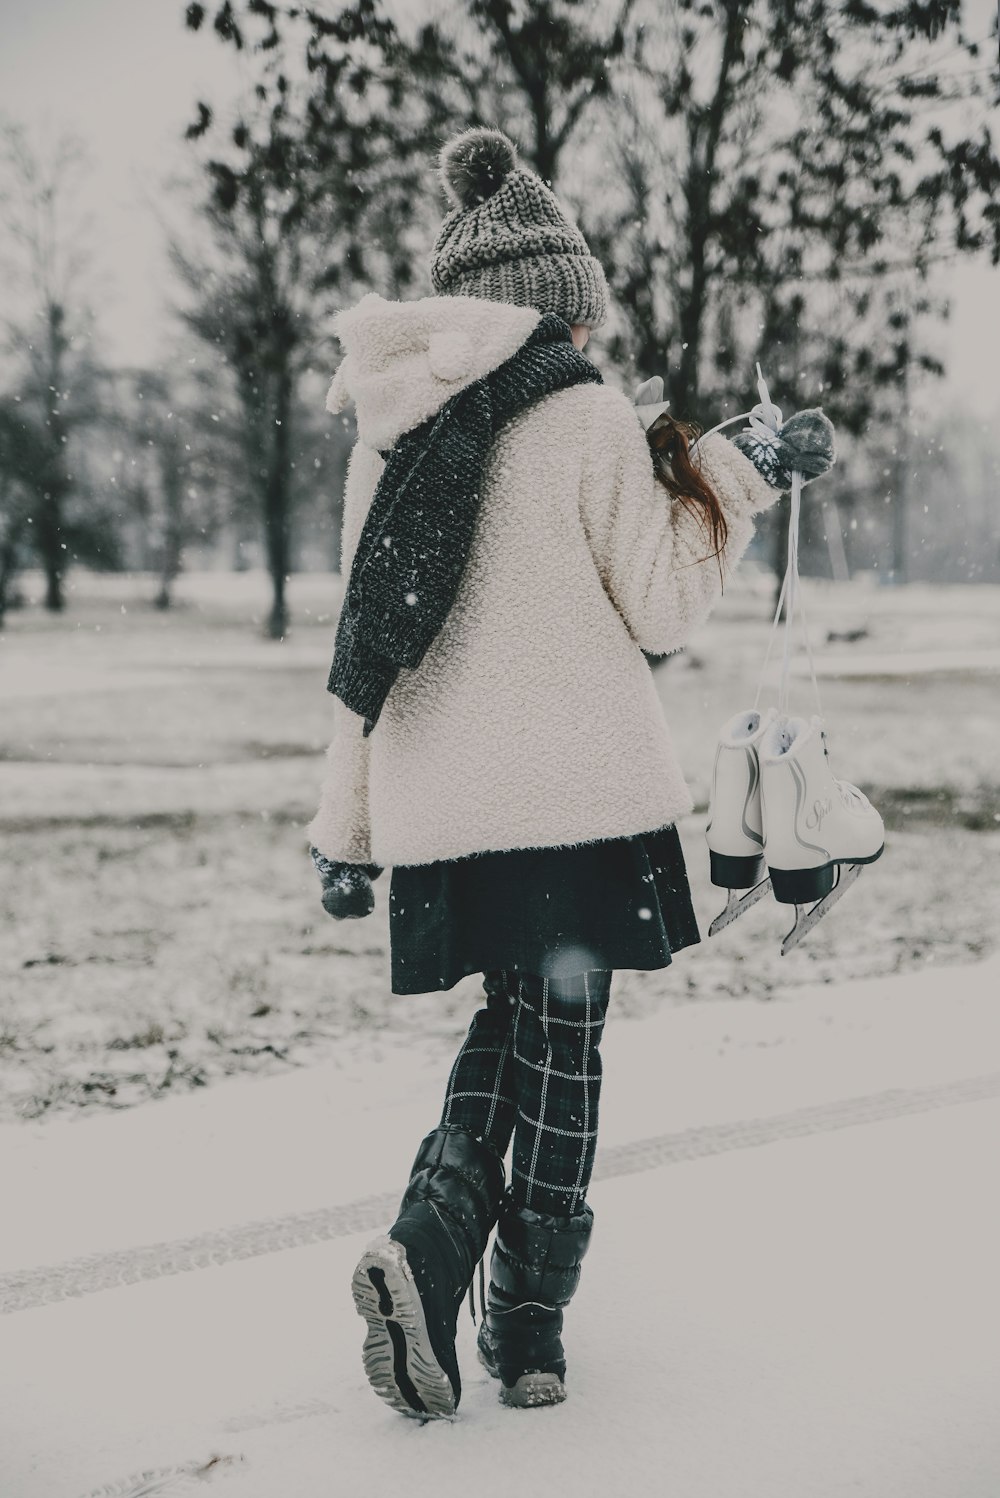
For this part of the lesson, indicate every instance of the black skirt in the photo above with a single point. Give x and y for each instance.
(620, 903)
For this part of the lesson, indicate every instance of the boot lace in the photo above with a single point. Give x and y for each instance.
(482, 1291)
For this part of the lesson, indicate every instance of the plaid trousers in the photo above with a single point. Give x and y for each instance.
(531, 1067)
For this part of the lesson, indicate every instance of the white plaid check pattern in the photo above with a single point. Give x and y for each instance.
(531, 1067)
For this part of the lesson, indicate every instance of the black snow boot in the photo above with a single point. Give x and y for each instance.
(534, 1272)
(409, 1285)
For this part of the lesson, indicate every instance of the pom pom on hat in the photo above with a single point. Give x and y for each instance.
(507, 238)
(475, 164)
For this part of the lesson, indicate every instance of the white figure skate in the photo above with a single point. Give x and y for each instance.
(735, 831)
(819, 832)
(773, 792)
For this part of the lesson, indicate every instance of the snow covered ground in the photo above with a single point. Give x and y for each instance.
(159, 926)
(791, 1290)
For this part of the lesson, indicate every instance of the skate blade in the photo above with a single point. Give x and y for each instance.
(807, 919)
(737, 904)
(398, 1358)
(533, 1390)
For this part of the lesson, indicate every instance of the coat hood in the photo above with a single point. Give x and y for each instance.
(404, 360)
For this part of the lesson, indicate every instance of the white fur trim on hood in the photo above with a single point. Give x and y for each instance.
(404, 360)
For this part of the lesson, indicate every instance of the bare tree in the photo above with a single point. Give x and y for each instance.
(253, 302)
(23, 455)
(48, 338)
(175, 464)
(786, 177)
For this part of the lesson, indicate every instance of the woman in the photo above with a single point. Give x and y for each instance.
(513, 550)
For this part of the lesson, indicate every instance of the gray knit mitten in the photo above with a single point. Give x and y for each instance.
(803, 444)
(347, 887)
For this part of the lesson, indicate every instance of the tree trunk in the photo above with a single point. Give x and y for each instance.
(544, 146)
(704, 135)
(277, 502)
(8, 571)
(684, 385)
(173, 529)
(900, 539)
(48, 533)
(48, 530)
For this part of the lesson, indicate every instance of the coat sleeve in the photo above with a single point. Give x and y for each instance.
(341, 828)
(653, 553)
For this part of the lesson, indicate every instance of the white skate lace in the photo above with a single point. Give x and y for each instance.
(791, 603)
(765, 419)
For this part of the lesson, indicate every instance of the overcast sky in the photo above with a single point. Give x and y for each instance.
(125, 75)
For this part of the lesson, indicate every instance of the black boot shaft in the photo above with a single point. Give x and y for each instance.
(462, 1178)
(538, 1256)
(445, 1218)
(534, 1272)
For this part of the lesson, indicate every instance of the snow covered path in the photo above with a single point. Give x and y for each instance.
(791, 1291)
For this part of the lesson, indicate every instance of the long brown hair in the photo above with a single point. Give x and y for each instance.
(669, 441)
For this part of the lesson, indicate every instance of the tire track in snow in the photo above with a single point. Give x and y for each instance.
(24, 1289)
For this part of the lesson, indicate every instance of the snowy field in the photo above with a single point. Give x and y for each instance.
(791, 1292)
(159, 920)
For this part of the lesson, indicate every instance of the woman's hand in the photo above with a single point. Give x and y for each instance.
(347, 887)
(803, 444)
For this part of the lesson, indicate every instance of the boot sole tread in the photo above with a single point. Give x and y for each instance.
(533, 1391)
(398, 1358)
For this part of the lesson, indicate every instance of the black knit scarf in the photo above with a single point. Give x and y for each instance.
(416, 539)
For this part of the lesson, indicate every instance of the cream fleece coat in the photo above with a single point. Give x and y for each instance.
(533, 720)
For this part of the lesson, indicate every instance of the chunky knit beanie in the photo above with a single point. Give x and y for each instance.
(506, 237)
